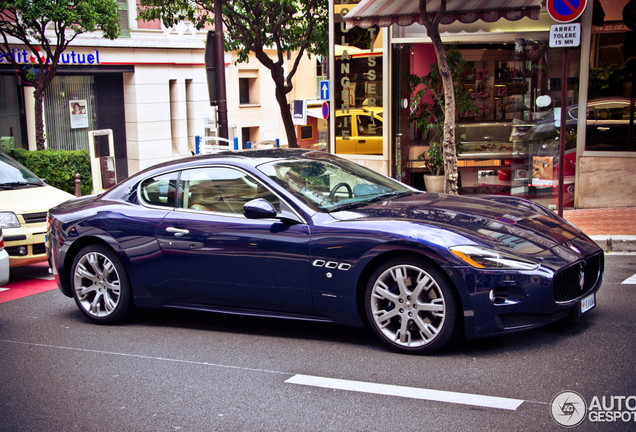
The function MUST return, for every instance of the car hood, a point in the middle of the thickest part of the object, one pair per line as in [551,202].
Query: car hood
[32,199]
[506,222]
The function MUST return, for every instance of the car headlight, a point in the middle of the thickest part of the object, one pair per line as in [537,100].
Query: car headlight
[489,259]
[9,220]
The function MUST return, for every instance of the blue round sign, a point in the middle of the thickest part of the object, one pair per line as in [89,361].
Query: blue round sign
[325,110]
[565,11]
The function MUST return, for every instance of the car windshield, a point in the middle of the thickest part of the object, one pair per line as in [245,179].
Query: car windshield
[13,175]
[331,184]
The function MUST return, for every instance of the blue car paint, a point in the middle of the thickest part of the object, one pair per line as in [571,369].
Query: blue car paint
[290,278]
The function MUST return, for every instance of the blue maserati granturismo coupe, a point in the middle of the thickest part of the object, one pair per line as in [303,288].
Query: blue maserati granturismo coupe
[305,235]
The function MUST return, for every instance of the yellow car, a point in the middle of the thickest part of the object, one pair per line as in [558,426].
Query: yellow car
[24,202]
[363,127]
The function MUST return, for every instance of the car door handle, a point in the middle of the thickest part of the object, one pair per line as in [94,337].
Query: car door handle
[178,232]
[603,129]
[362,141]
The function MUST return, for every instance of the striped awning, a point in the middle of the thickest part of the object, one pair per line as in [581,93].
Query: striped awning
[406,12]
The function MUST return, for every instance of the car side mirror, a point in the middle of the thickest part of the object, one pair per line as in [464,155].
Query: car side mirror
[260,208]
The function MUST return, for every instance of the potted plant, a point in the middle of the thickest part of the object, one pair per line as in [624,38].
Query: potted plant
[434,160]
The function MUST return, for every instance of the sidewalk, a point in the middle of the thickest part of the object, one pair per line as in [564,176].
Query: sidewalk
[614,229]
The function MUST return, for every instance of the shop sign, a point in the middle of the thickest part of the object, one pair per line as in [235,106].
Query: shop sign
[612,27]
[565,35]
[565,11]
[23,56]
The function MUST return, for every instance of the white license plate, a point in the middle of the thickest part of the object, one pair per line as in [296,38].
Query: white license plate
[588,303]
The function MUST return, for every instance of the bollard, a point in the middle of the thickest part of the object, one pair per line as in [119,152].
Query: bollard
[236,143]
[277,143]
[78,189]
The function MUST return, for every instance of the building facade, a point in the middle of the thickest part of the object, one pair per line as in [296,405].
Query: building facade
[149,87]
[519,81]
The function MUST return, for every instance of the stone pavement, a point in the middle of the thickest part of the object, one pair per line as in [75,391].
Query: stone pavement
[614,229]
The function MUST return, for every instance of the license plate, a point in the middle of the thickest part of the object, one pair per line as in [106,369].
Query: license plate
[588,303]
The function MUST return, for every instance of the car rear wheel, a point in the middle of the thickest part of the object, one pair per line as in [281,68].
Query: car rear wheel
[411,306]
[100,285]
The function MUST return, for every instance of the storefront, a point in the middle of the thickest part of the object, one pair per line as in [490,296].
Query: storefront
[155,101]
[510,138]
[86,94]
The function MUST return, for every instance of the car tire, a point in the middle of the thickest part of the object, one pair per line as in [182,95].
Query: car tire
[100,285]
[411,306]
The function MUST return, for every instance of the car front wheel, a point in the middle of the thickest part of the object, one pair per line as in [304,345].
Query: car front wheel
[100,285]
[411,306]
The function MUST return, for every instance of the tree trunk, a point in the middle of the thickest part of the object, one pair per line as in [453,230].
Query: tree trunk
[448,140]
[39,117]
[285,112]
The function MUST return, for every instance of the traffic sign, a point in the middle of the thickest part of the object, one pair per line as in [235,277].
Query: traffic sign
[565,35]
[565,11]
[324,90]
[325,110]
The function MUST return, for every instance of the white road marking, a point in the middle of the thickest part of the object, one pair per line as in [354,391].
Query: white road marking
[408,392]
[339,384]
[630,280]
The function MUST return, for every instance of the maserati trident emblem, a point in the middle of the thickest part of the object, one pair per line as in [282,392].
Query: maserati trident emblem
[581,277]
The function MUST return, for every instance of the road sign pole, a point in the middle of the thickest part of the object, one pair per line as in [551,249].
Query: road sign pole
[563,131]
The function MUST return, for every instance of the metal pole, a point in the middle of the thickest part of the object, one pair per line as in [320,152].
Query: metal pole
[220,56]
[563,132]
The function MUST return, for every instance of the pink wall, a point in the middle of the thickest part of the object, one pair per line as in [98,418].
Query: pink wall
[422,56]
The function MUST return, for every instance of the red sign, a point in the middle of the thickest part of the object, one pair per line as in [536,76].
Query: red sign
[565,11]
[325,110]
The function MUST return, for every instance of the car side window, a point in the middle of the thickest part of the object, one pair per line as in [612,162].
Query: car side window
[343,123]
[221,189]
[159,190]
[368,126]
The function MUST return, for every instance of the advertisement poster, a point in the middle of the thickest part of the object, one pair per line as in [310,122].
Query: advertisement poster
[79,113]
[543,171]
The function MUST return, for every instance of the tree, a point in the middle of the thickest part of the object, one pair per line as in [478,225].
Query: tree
[32,22]
[428,105]
[448,141]
[257,26]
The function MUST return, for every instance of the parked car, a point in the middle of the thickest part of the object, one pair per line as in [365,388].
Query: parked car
[306,235]
[607,126]
[24,201]
[363,127]
[4,262]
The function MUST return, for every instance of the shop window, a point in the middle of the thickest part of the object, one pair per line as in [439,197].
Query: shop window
[609,93]
[65,130]
[358,78]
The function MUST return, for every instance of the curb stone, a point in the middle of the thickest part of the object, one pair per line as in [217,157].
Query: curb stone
[616,243]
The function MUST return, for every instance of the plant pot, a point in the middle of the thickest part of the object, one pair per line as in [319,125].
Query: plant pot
[435,183]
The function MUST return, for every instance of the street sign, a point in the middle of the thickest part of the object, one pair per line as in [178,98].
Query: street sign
[325,110]
[324,90]
[565,35]
[565,11]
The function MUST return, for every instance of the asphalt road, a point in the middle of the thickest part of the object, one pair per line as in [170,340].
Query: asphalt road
[183,371]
